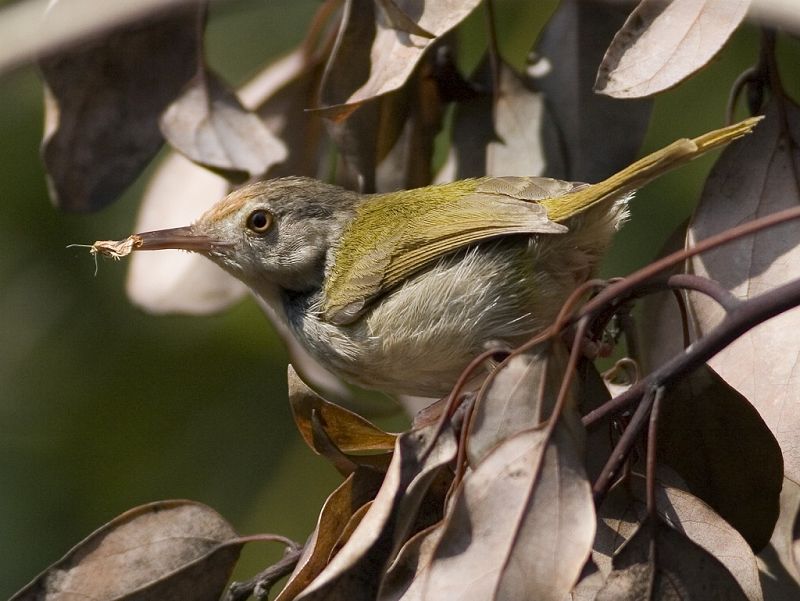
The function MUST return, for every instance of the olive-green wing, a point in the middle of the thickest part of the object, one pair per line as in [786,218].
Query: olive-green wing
[408,238]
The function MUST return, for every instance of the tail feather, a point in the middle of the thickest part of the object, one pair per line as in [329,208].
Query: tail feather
[645,170]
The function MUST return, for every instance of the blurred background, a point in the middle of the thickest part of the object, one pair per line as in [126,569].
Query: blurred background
[103,407]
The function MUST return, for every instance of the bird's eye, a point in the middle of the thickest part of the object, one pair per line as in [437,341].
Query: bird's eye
[259,221]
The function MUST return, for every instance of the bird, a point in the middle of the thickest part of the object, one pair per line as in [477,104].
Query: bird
[399,291]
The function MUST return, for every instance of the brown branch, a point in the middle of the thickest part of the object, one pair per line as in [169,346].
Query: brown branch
[260,584]
[743,318]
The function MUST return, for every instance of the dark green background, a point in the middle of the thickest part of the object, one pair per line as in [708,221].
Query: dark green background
[103,407]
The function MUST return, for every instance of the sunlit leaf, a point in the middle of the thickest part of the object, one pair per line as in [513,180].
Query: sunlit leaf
[660,563]
[350,432]
[167,549]
[662,43]
[210,126]
[103,101]
[570,48]
[357,490]
[757,176]
[355,572]
[521,525]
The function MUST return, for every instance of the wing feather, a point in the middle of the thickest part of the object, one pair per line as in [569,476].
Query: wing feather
[411,240]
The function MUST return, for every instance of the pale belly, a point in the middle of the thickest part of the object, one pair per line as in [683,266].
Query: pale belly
[419,338]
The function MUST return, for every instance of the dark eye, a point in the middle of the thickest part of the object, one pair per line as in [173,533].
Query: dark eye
[259,221]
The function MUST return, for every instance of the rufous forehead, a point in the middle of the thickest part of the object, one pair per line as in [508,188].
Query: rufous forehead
[231,204]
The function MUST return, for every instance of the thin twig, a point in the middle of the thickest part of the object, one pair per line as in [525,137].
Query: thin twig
[623,447]
[711,288]
[652,449]
[260,584]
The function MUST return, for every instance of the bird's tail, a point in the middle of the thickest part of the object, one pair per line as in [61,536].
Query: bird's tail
[645,170]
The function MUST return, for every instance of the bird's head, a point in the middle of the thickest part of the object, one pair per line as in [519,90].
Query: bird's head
[277,232]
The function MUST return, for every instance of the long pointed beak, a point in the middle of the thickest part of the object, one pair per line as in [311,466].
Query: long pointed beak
[181,238]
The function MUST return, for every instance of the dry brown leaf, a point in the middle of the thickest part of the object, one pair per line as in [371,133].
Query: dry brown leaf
[355,572]
[754,177]
[377,58]
[506,141]
[690,516]
[796,540]
[596,135]
[350,432]
[519,397]
[621,513]
[777,562]
[521,525]
[673,568]
[163,550]
[210,126]
[103,102]
[281,95]
[591,581]
[356,491]
[664,42]
[718,443]
[345,463]
[395,131]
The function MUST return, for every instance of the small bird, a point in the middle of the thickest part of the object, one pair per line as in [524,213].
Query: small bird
[399,291]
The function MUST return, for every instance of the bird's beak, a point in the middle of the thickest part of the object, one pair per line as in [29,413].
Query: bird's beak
[180,238]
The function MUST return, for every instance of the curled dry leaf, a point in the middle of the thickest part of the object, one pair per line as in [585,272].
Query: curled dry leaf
[103,101]
[356,491]
[378,58]
[396,130]
[355,572]
[662,43]
[350,432]
[660,563]
[210,126]
[345,463]
[405,577]
[596,135]
[757,176]
[508,140]
[163,550]
[521,525]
